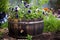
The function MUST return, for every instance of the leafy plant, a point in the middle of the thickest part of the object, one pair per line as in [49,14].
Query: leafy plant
[4,5]
[5,25]
[24,9]
[58,24]
[27,12]
[51,24]
[44,2]
[27,1]
[29,37]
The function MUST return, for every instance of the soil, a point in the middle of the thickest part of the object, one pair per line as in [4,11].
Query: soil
[43,36]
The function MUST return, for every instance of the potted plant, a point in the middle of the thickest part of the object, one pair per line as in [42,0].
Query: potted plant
[26,19]
[3,10]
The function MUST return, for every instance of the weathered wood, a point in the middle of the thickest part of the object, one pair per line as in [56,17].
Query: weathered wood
[18,28]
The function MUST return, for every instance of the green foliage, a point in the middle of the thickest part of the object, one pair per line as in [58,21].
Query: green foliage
[23,13]
[32,16]
[28,1]
[5,25]
[43,2]
[29,37]
[4,5]
[58,24]
[51,24]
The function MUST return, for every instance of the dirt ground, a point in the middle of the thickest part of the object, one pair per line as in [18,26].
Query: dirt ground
[43,36]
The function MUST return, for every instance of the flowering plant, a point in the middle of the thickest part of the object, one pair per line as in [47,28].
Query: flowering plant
[4,6]
[26,11]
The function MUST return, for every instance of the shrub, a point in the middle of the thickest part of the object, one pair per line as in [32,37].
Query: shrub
[51,23]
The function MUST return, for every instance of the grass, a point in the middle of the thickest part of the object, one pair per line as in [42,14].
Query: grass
[51,24]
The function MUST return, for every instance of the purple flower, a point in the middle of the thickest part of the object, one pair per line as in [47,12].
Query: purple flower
[3,17]
[29,11]
[27,6]
[16,9]
[25,3]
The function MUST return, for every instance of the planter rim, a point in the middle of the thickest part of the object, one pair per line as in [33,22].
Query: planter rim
[34,22]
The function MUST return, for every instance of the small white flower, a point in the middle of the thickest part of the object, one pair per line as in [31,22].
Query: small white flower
[18,8]
[22,1]
[37,9]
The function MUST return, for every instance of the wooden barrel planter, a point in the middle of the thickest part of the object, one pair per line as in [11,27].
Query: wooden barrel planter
[19,28]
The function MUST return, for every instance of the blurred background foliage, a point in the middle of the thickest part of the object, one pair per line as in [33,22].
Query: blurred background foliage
[51,23]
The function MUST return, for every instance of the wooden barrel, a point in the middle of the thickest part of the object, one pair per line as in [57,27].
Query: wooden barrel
[19,28]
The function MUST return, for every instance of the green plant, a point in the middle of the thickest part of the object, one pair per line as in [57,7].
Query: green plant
[23,12]
[5,25]
[26,12]
[4,5]
[28,1]
[58,24]
[51,24]
[29,37]
[44,2]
